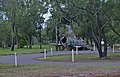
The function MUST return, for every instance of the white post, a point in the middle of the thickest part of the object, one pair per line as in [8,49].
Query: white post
[16,59]
[51,50]
[44,53]
[73,56]
[94,47]
[113,48]
[76,50]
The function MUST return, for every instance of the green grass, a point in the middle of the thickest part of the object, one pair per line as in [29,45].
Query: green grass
[114,55]
[68,58]
[35,49]
[83,57]
[5,66]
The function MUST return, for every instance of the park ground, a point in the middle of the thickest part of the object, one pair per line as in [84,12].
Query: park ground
[58,71]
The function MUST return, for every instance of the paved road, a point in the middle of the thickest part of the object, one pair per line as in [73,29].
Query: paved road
[31,59]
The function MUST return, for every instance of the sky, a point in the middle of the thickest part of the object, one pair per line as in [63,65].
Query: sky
[47,15]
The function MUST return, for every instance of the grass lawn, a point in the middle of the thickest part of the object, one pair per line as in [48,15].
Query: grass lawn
[35,49]
[83,57]
[58,71]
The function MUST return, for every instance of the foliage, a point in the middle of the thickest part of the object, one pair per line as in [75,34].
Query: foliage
[23,17]
[94,18]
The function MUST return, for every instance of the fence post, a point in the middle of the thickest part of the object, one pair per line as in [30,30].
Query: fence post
[16,63]
[113,48]
[94,47]
[51,51]
[73,56]
[44,53]
[76,50]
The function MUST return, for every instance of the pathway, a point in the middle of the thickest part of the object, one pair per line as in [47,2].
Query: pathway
[31,59]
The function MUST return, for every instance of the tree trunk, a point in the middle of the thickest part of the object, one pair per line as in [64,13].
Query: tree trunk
[12,46]
[17,38]
[91,42]
[40,39]
[56,28]
[99,47]
[102,49]
[30,41]
[13,31]
[87,40]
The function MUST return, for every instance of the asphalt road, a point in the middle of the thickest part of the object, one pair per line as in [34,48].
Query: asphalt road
[32,59]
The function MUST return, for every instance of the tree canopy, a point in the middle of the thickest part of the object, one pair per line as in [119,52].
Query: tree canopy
[93,20]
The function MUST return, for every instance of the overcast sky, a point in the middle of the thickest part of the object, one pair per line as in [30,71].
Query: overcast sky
[46,16]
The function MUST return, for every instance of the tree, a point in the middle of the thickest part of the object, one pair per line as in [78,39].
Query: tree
[24,17]
[11,15]
[5,33]
[91,15]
